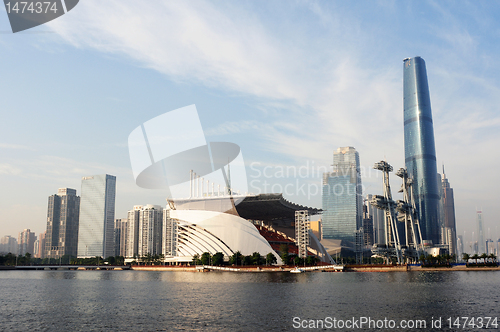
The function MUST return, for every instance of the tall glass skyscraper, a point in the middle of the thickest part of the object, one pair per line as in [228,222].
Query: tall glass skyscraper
[420,150]
[97,216]
[342,200]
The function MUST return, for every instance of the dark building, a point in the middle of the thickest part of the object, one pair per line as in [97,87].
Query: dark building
[62,224]
[449,224]
[378,219]
[367,227]
[120,234]
[420,151]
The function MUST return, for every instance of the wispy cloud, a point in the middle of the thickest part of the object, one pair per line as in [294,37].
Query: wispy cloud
[187,41]
[53,168]
[8,169]
[233,127]
[14,146]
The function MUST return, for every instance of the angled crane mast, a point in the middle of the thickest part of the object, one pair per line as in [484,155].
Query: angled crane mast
[385,202]
[407,214]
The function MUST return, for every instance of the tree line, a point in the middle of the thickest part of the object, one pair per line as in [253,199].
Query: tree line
[480,260]
[292,259]
[238,259]
[206,258]
[148,259]
[26,259]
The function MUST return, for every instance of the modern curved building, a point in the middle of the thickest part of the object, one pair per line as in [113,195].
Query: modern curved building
[259,223]
[420,150]
[200,231]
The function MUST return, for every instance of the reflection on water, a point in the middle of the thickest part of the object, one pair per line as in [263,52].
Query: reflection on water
[218,301]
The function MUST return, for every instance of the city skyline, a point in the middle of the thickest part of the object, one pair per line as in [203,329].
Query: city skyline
[288,93]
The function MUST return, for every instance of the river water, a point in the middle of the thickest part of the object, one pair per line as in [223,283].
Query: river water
[222,301]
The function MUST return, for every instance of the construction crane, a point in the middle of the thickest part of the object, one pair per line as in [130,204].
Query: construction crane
[386,203]
[407,214]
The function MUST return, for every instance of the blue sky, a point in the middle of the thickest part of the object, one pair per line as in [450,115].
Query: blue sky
[289,81]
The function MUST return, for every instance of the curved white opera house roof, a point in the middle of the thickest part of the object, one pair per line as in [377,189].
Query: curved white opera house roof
[200,231]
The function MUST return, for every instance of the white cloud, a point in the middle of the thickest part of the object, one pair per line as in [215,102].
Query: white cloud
[183,40]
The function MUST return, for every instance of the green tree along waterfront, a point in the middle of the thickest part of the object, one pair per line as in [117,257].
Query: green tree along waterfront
[446,260]
[218,259]
[284,253]
[205,258]
[13,260]
[256,259]
[237,259]
[480,260]
[270,259]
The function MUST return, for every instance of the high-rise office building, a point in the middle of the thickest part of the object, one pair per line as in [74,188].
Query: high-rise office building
[97,216]
[317,228]
[62,224]
[8,244]
[490,247]
[120,235]
[442,231]
[460,246]
[342,200]
[378,218]
[131,247]
[367,226]
[144,229]
[449,224]
[150,230]
[481,244]
[420,151]
[475,248]
[170,234]
[40,246]
[26,242]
